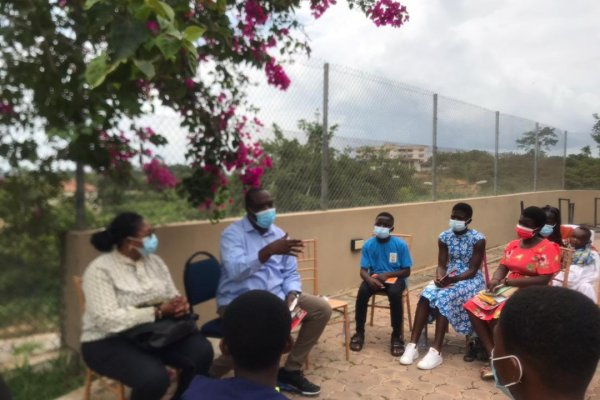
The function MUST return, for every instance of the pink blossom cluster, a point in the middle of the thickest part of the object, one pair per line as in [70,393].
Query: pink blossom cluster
[153,27]
[190,84]
[255,15]
[388,12]
[62,3]
[118,149]
[158,175]
[145,133]
[276,75]
[5,108]
[318,7]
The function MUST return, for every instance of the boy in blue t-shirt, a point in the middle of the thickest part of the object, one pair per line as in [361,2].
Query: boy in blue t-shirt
[385,264]
[256,332]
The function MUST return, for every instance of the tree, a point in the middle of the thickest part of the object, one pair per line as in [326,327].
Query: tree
[547,138]
[77,69]
[596,130]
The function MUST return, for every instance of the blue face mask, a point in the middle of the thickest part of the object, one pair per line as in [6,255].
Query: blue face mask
[456,225]
[381,232]
[547,230]
[265,218]
[504,388]
[149,245]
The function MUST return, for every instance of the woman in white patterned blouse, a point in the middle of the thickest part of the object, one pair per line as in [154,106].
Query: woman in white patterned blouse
[127,286]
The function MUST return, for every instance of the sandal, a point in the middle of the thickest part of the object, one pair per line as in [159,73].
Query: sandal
[357,341]
[486,373]
[396,346]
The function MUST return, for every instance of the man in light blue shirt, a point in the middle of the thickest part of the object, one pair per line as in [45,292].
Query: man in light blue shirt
[257,255]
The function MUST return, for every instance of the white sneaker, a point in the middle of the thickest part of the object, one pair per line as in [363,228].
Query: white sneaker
[410,354]
[432,359]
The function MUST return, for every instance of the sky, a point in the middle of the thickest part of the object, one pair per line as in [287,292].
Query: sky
[537,58]
[534,61]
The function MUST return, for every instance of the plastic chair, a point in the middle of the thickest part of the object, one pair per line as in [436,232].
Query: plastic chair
[114,386]
[405,297]
[201,279]
[308,270]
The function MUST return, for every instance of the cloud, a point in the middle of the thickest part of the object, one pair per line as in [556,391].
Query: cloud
[535,59]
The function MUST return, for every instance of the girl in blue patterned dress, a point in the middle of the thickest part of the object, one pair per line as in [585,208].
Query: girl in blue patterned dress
[459,278]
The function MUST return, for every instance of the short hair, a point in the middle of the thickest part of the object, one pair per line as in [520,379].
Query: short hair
[464,207]
[557,331]
[256,328]
[121,227]
[536,214]
[588,232]
[250,193]
[386,215]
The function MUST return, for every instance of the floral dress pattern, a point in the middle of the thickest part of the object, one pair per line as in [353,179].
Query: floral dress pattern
[449,300]
[541,259]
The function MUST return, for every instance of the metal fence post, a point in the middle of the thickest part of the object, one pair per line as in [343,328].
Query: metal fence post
[535,156]
[79,196]
[497,135]
[564,171]
[325,141]
[434,150]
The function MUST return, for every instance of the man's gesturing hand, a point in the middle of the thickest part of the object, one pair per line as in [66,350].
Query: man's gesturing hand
[283,246]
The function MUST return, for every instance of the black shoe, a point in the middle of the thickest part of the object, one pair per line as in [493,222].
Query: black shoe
[295,381]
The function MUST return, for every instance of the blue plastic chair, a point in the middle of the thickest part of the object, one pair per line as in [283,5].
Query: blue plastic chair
[201,279]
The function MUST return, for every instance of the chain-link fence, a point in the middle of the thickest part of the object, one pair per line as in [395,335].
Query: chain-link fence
[392,143]
[386,143]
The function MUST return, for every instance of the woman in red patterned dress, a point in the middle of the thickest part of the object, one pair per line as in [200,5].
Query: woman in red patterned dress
[528,261]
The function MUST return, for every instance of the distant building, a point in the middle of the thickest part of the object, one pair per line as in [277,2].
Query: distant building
[415,155]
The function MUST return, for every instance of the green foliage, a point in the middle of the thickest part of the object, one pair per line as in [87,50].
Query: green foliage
[596,130]
[30,241]
[547,138]
[583,171]
[358,177]
[60,376]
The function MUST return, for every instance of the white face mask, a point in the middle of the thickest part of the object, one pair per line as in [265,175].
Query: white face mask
[505,387]
[381,232]
[456,225]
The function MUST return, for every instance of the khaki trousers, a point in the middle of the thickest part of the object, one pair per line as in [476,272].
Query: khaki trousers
[318,314]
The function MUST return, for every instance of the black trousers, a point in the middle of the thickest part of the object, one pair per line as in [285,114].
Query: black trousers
[144,371]
[394,293]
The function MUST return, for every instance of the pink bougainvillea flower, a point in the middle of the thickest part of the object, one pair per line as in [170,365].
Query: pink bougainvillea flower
[6,108]
[190,84]
[276,76]
[318,7]
[159,176]
[153,27]
[388,12]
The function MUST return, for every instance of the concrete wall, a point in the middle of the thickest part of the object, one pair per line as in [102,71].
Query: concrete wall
[338,266]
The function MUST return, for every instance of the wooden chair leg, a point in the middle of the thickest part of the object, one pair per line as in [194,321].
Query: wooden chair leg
[87,387]
[408,310]
[121,391]
[346,333]
[372,308]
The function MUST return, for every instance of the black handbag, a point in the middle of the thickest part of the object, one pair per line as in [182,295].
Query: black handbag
[161,333]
